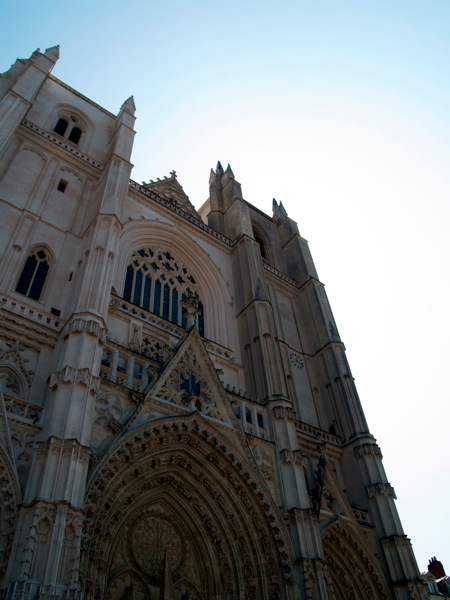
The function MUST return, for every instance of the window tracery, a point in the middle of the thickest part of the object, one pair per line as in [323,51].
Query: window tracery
[159,283]
[34,273]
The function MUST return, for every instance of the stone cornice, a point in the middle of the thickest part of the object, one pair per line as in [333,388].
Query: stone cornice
[317,433]
[27,328]
[281,275]
[30,312]
[62,143]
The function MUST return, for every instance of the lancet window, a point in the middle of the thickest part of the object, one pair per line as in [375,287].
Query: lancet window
[159,283]
[70,127]
[34,273]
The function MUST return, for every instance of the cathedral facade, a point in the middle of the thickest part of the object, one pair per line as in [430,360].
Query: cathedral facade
[178,417]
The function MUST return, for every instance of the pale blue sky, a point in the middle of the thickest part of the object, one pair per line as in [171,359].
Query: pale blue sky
[341,110]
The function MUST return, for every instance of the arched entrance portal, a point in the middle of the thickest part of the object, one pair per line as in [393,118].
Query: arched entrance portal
[351,571]
[174,512]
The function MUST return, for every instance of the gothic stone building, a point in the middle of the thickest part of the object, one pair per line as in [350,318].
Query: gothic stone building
[178,417]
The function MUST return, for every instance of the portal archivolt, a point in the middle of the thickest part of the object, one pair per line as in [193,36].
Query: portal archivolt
[174,511]
[352,573]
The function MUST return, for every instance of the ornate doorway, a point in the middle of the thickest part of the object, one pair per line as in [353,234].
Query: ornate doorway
[176,514]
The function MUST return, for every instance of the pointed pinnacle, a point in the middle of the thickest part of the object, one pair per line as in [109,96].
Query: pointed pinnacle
[219,169]
[52,53]
[229,172]
[279,211]
[129,105]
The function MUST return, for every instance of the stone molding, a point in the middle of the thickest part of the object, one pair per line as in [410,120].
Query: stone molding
[367,449]
[62,143]
[85,325]
[9,500]
[284,412]
[347,554]
[380,489]
[57,446]
[281,275]
[164,446]
[72,375]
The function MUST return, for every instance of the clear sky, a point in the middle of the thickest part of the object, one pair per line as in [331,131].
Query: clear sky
[340,109]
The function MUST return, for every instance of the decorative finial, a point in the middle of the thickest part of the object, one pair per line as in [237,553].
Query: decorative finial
[173,173]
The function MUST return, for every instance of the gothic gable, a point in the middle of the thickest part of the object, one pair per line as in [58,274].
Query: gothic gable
[188,383]
[170,190]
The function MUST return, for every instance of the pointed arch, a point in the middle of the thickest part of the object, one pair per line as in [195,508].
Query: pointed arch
[213,290]
[159,282]
[34,276]
[180,476]
[72,124]
[10,498]
[352,572]
[260,237]
[12,381]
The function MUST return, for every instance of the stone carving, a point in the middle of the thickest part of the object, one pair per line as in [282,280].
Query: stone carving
[85,325]
[120,559]
[417,591]
[170,190]
[72,375]
[12,354]
[20,408]
[186,385]
[177,455]
[110,413]
[265,462]
[156,545]
[380,489]
[155,350]
[284,412]
[10,383]
[367,449]
[350,564]
[187,590]
[8,512]
[127,586]
[22,444]
[293,456]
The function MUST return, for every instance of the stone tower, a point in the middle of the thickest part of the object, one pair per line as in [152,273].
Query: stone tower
[178,417]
